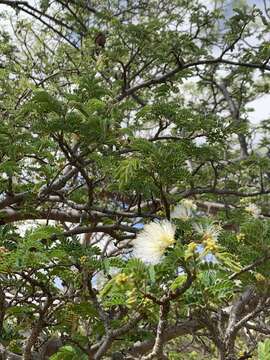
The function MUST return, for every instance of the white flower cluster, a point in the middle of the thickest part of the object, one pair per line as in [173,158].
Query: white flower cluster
[207,231]
[153,240]
[253,210]
[184,210]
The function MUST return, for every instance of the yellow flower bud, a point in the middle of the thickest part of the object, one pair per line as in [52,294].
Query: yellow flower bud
[192,246]
[83,259]
[259,277]
[121,279]
[240,237]
[211,245]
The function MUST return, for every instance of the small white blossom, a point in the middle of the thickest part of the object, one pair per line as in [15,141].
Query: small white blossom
[184,210]
[153,240]
[253,210]
[208,231]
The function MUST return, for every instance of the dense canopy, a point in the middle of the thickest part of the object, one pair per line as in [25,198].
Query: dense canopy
[134,190]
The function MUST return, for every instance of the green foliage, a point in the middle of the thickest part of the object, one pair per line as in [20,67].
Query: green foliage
[68,353]
[264,350]
[128,171]
[112,114]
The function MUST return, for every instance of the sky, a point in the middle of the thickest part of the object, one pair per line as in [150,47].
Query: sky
[260,105]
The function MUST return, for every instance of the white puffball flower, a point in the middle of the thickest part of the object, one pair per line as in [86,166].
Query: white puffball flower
[208,231]
[184,210]
[253,210]
[153,240]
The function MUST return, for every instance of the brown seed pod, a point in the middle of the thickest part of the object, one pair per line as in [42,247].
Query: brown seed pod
[100,40]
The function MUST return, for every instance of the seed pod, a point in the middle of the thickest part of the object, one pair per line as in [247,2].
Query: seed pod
[100,40]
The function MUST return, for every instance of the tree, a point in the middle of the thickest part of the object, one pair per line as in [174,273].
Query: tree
[118,116]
